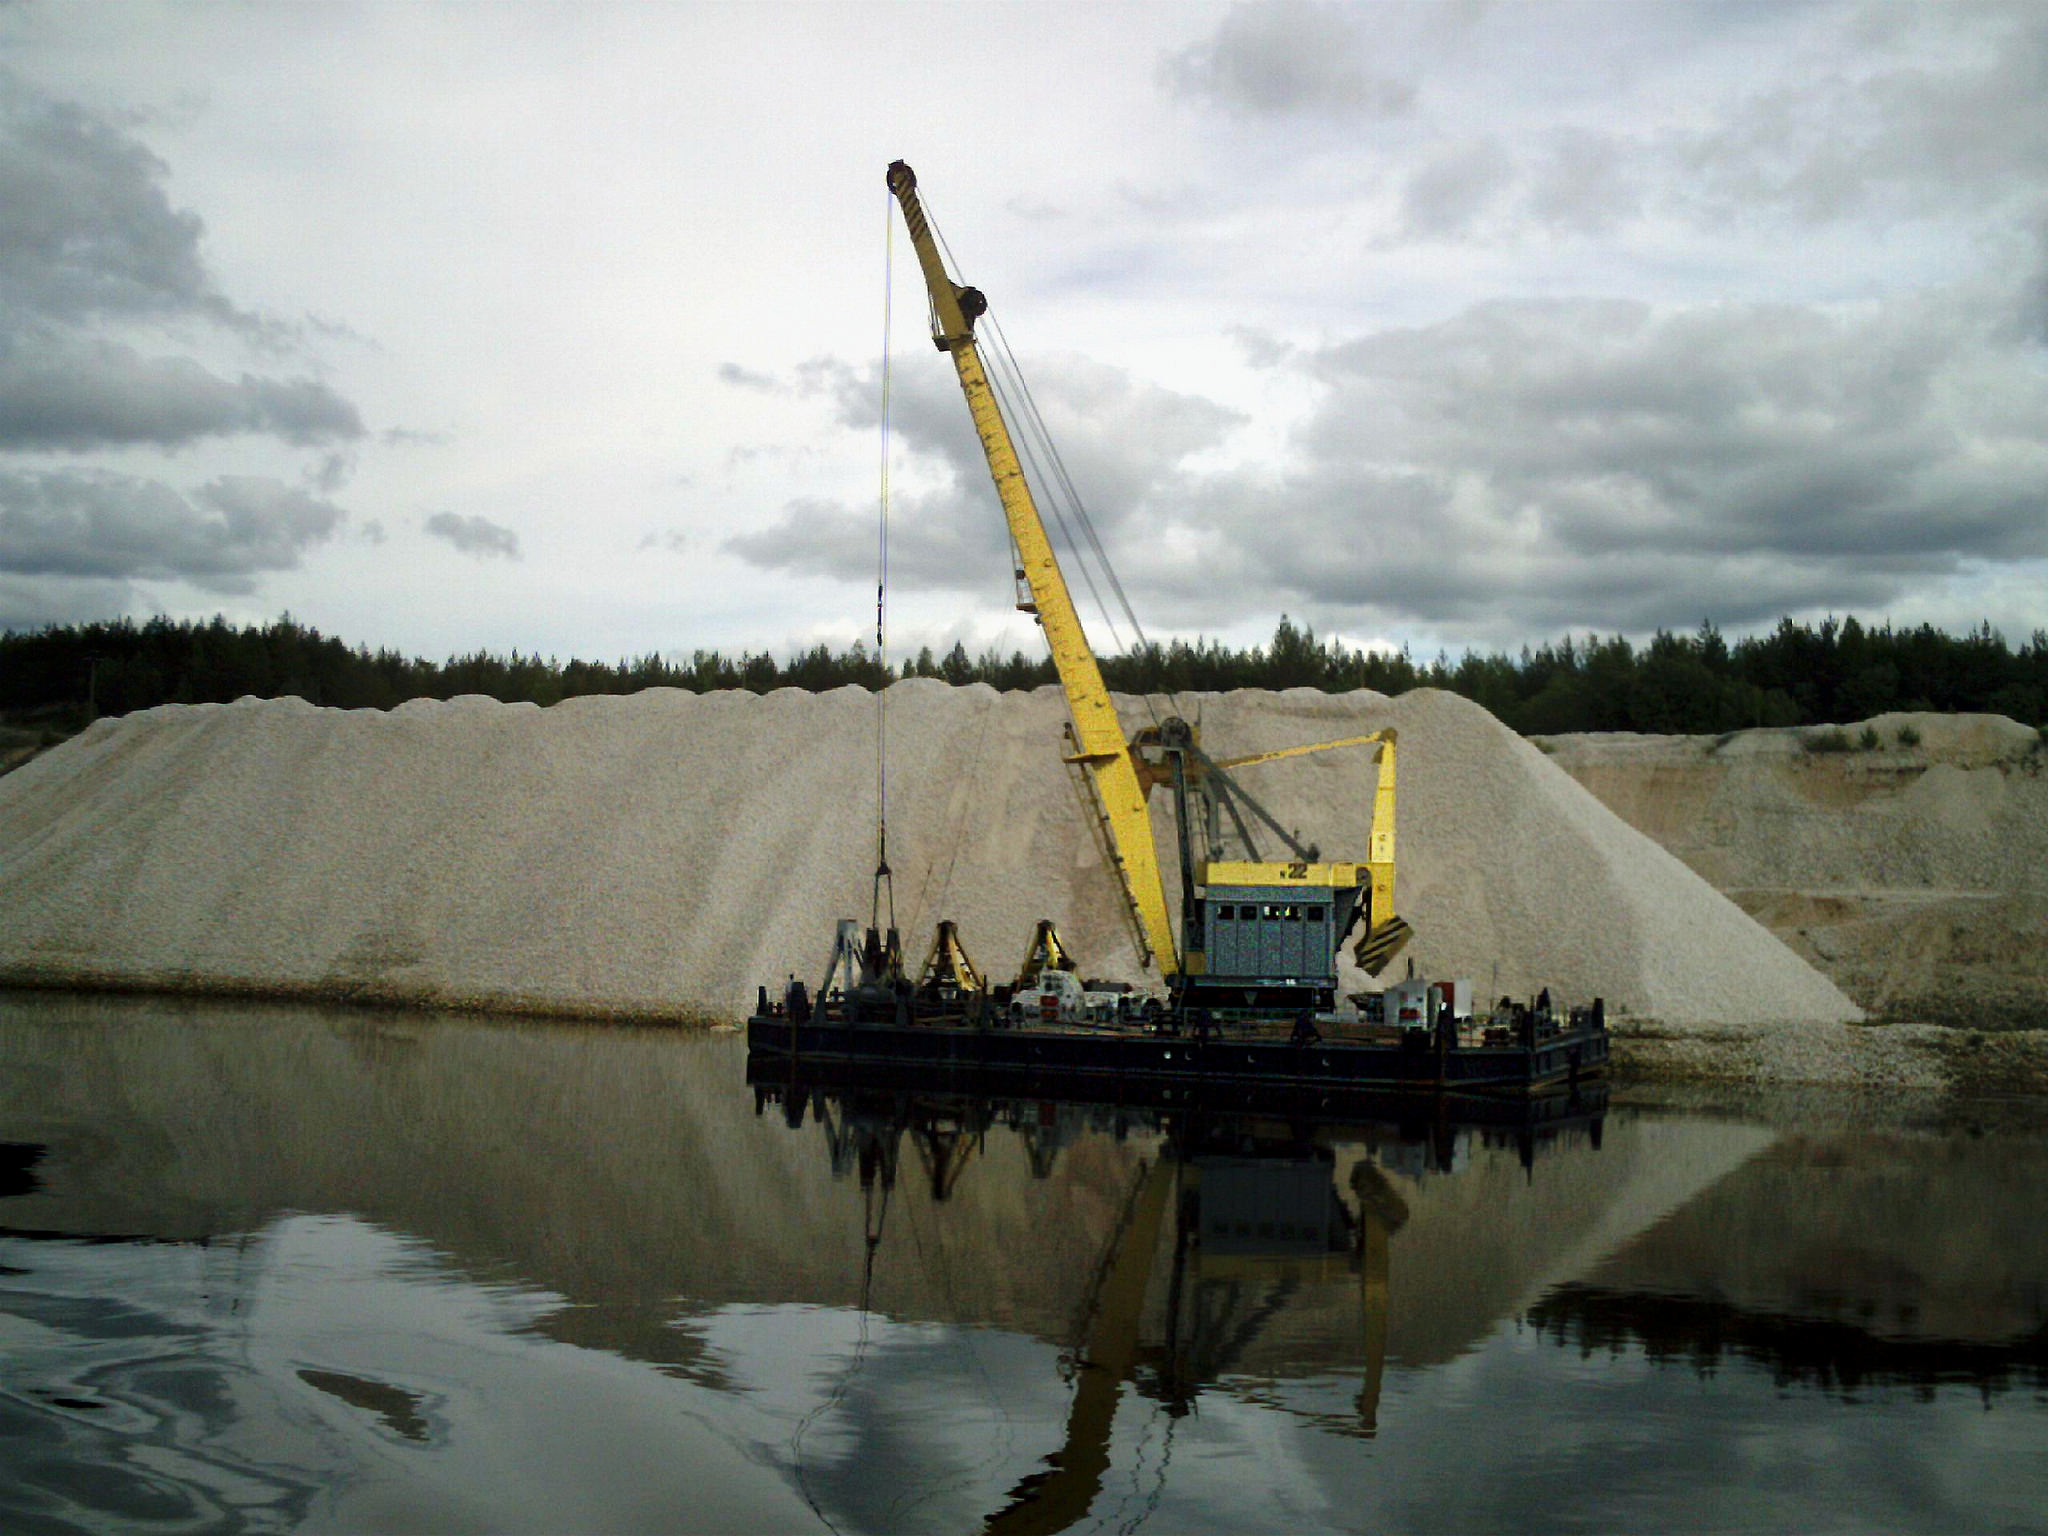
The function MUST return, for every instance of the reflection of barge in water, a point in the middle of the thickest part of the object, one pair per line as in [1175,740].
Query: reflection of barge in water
[1242,1211]
[1433,1124]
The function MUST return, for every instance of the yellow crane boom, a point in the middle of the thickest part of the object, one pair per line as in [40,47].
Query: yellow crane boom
[1098,734]
[1257,934]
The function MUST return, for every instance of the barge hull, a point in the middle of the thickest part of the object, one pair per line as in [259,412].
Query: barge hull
[791,1081]
[1108,1057]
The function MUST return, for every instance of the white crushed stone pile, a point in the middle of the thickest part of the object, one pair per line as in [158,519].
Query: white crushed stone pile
[668,851]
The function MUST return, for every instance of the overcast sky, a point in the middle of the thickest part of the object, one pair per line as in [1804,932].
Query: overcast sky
[559,328]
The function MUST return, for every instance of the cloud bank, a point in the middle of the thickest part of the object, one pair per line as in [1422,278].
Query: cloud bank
[1443,324]
[97,525]
[1870,434]
[93,258]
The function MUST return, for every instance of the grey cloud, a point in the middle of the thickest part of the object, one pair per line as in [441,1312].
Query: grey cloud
[748,378]
[88,229]
[64,392]
[947,540]
[1449,195]
[90,243]
[1572,179]
[332,472]
[1370,552]
[477,536]
[1946,113]
[1963,119]
[35,602]
[1283,58]
[2029,321]
[85,523]
[1261,349]
[1122,441]
[1585,181]
[1604,464]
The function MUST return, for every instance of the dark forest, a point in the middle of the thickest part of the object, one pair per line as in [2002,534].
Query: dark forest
[1796,674]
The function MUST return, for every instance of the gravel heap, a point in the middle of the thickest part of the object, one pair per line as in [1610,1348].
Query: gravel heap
[664,853]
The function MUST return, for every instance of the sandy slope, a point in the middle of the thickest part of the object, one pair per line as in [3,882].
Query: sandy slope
[667,852]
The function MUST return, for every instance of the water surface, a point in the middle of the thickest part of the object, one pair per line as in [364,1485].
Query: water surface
[292,1269]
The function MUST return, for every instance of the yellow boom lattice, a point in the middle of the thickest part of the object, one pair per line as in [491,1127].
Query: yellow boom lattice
[1098,734]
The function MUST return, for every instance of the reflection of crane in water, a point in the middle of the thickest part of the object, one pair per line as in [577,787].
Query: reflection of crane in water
[865,1137]
[870,1144]
[1263,1208]
[946,1145]
[1046,1127]
[1252,1218]
[1054,1499]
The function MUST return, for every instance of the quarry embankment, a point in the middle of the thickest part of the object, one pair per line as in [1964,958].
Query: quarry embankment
[1905,856]
[660,855]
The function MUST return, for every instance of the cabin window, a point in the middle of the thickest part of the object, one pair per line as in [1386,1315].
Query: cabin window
[1226,914]
[1315,914]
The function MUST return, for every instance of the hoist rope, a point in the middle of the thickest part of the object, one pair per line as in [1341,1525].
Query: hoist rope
[1060,496]
[882,875]
[1040,455]
[1065,482]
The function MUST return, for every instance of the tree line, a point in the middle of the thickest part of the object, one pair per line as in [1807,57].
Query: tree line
[1796,674]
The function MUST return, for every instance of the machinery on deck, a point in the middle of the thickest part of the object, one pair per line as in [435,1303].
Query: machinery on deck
[1257,936]
[949,978]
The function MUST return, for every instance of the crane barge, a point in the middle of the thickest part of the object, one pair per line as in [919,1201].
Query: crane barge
[1250,977]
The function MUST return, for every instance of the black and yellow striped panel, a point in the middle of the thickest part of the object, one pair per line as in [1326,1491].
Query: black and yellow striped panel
[1381,944]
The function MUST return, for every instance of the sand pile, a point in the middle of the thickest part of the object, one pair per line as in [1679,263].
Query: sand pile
[667,852]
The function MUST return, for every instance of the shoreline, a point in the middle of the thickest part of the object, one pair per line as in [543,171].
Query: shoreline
[368,996]
[1878,1056]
